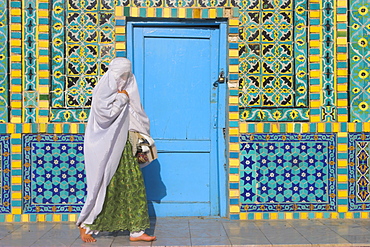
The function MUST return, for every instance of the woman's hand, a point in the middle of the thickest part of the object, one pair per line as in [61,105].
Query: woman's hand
[123,91]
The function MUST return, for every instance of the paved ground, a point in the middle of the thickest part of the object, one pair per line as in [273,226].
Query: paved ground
[200,232]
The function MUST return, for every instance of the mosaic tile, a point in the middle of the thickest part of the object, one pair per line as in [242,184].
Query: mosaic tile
[287,172]
[274,114]
[29,47]
[328,109]
[5,173]
[269,76]
[30,63]
[53,173]
[89,47]
[4,62]
[359,33]
[358,171]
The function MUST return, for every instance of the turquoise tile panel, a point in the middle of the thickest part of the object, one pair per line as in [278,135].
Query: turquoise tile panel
[358,171]
[287,172]
[54,173]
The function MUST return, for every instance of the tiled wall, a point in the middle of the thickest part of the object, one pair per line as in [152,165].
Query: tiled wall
[298,82]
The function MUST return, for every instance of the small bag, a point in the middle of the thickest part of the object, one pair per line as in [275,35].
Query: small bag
[146,151]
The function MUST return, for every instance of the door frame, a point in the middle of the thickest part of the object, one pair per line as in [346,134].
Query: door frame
[220,179]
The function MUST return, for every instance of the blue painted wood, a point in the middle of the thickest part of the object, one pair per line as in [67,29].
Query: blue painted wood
[175,68]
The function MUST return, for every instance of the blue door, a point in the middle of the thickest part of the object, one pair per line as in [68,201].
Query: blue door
[176,67]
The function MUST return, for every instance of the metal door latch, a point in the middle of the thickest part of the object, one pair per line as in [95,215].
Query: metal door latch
[221,79]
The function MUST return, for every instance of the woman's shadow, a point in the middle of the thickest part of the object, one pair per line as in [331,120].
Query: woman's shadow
[155,190]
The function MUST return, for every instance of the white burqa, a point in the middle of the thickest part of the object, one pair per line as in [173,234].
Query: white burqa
[111,117]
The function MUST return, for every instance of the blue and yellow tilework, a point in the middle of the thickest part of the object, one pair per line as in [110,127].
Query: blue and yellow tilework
[298,102]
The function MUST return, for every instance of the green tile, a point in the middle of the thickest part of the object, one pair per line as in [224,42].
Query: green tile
[342,33]
[205,13]
[142,12]
[189,13]
[220,12]
[174,13]
[158,12]
[126,11]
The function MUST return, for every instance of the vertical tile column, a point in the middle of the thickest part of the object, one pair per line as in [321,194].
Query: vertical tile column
[4,60]
[342,194]
[16,152]
[233,118]
[16,61]
[120,31]
[29,60]
[43,61]
[328,109]
[342,60]
[315,51]
[57,53]
[359,60]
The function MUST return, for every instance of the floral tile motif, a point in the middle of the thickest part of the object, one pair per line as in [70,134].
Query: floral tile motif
[5,174]
[81,53]
[53,173]
[359,52]
[4,61]
[358,171]
[287,172]
[273,68]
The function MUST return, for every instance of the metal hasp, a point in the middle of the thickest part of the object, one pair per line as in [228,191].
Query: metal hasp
[221,79]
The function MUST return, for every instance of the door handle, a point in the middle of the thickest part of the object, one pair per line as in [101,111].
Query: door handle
[221,79]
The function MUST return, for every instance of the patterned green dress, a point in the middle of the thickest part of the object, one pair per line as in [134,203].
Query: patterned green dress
[125,206]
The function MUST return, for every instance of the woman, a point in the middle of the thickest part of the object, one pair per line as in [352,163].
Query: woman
[116,198]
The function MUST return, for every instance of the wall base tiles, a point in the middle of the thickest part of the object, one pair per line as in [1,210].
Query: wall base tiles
[358,171]
[287,172]
[53,173]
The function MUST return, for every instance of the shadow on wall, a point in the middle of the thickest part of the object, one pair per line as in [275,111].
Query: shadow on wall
[155,188]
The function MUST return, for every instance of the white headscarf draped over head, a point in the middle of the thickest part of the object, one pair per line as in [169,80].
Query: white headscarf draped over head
[112,115]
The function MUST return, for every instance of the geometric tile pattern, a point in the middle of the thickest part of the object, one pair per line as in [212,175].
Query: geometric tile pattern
[30,61]
[88,41]
[328,109]
[359,171]
[174,3]
[15,63]
[273,66]
[5,174]
[341,64]
[287,172]
[359,29]
[4,62]
[40,111]
[54,173]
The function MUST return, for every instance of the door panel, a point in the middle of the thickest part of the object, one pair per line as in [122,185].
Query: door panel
[183,118]
[175,68]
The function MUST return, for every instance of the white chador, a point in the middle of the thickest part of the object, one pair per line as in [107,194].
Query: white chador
[112,116]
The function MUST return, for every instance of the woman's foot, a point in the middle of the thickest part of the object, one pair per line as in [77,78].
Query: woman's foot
[145,237]
[86,237]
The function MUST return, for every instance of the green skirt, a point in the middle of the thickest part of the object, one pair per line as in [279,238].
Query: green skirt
[125,206]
